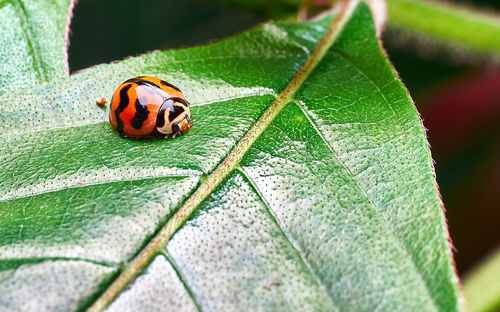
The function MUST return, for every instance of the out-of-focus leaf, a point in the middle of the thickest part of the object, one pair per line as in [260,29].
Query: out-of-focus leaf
[482,286]
[450,27]
[33,37]
[307,173]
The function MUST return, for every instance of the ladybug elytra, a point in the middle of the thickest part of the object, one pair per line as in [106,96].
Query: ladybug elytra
[145,106]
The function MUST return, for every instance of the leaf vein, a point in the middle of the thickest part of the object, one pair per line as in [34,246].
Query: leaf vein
[36,260]
[31,42]
[289,239]
[401,243]
[182,279]
[35,189]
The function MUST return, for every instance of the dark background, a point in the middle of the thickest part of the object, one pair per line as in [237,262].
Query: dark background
[459,100]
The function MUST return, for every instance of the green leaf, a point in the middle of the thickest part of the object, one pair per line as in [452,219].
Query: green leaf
[446,25]
[33,36]
[305,184]
[482,286]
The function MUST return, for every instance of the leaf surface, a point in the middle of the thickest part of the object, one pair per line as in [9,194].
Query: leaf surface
[33,36]
[330,206]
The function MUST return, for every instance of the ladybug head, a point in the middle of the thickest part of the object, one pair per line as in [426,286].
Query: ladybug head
[173,117]
[184,125]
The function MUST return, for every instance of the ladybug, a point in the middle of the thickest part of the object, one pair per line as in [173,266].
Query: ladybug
[146,106]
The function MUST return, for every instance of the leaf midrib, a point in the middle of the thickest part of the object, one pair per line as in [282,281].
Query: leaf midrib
[146,255]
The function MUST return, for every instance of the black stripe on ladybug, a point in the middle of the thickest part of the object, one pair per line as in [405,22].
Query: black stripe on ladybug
[170,85]
[142,82]
[141,113]
[179,107]
[124,100]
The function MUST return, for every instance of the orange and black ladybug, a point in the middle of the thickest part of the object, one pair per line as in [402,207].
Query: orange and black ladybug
[146,106]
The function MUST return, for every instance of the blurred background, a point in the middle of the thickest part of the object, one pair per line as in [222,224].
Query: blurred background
[458,98]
